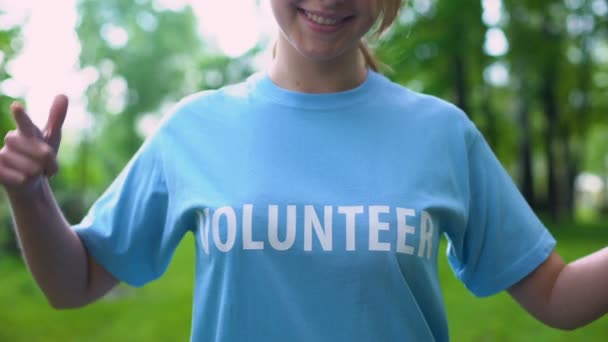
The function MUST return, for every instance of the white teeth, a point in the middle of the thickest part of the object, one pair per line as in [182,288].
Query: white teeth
[321,20]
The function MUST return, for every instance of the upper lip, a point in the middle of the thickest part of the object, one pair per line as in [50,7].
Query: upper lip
[333,16]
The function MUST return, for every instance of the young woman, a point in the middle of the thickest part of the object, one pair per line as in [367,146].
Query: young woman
[317,192]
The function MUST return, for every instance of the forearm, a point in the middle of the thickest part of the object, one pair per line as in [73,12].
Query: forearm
[53,252]
[580,293]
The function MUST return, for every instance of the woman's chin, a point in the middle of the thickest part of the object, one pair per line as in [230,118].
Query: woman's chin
[322,55]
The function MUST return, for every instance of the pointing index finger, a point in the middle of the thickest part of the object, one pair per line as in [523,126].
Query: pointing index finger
[23,121]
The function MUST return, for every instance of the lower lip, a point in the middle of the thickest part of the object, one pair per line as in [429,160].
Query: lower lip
[322,28]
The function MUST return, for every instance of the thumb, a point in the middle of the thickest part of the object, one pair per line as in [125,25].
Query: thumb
[52,130]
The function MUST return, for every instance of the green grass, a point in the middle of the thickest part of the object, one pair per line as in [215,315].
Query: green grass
[161,311]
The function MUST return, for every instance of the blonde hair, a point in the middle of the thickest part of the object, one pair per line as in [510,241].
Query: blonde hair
[388,10]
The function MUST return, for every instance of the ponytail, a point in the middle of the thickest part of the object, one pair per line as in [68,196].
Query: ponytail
[389,10]
[370,60]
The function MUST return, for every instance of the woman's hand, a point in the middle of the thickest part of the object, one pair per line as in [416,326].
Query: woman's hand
[66,273]
[29,154]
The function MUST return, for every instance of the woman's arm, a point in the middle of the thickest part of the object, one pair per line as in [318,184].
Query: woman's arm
[53,252]
[63,269]
[566,296]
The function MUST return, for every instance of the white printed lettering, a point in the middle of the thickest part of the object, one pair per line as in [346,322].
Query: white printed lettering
[248,243]
[403,229]
[350,213]
[383,223]
[323,232]
[375,226]
[230,216]
[273,233]
[203,223]
[426,235]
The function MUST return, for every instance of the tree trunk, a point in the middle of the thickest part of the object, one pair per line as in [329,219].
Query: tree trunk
[572,162]
[526,173]
[576,128]
[550,109]
[486,108]
[460,82]
[459,65]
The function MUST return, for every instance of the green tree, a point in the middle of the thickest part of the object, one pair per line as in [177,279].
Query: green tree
[144,58]
[555,83]
[437,47]
[551,101]
[9,46]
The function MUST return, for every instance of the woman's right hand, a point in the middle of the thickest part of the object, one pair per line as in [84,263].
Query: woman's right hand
[29,154]
[66,273]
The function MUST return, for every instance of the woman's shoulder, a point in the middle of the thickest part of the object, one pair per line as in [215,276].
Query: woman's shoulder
[206,101]
[209,97]
[420,104]
[408,96]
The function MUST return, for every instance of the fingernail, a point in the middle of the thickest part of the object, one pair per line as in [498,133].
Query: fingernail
[16,106]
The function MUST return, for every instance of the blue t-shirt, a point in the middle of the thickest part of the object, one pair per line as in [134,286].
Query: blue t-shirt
[317,217]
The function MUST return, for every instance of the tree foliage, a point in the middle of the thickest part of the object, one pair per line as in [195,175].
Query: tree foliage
[144,58]
[9,46]
[539,121]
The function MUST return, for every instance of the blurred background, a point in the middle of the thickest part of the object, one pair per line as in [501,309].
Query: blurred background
[532,74]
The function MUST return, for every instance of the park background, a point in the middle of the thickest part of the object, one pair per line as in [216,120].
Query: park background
[532,74]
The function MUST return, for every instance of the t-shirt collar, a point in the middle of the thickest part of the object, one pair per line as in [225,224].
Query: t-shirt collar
[264,86]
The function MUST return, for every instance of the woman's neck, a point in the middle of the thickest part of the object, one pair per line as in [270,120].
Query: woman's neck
[293,71]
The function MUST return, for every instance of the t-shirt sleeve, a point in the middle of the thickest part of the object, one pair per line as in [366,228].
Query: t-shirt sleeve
[128,229]
[503,240]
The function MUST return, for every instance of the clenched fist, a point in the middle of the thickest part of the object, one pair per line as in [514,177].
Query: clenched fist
[29,154]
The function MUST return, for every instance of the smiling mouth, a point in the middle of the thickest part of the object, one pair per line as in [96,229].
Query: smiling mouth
[324,19]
